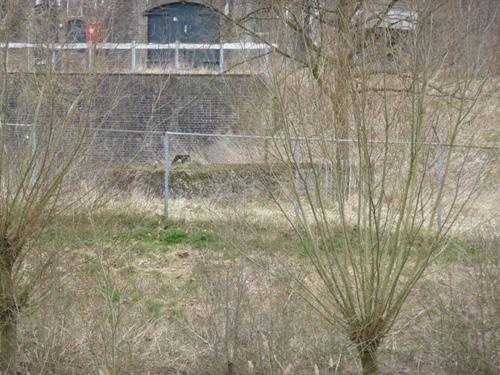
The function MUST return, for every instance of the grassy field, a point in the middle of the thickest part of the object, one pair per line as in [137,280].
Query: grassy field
[213,291]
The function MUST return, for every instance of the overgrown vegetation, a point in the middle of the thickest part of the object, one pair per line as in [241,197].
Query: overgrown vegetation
[350,250]
[219,290]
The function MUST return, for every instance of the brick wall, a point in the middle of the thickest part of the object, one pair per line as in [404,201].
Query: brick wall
[152,104]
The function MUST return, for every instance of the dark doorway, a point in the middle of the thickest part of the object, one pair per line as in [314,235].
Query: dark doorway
[186,23]
[75,31]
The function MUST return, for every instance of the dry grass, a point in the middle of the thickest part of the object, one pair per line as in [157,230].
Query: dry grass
[210,292]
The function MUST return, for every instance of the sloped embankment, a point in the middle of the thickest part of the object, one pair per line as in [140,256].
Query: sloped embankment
[202,180]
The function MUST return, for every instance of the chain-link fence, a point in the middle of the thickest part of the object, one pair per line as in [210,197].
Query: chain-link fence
[318,168]
[177,164]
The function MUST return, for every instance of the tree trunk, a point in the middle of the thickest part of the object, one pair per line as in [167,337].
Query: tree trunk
[8,342]
[8,317]
[369,362]
[341,94]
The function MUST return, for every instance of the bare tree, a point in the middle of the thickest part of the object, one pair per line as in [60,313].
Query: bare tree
[374,73]
[44,123]
[320,36]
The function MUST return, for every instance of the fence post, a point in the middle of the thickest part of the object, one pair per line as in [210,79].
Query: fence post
[439,183]
[177,62]
[298,185]
[221,58]
[33,155]
[133,56]
[166,171]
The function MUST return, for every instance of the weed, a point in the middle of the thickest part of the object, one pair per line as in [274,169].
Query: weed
[115,296]
[200,239]
[136,296]
[174,236]
[155,308]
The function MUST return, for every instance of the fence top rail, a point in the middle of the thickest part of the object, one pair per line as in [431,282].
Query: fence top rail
[141,46]
[333,140]
[265,137]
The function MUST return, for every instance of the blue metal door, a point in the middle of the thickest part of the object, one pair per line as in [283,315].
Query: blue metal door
[186,23]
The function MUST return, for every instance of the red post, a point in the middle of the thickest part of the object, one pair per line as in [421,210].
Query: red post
[93,32]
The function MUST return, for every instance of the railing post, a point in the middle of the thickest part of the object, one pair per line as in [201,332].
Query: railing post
[266,59]
[298,185]
[53,56]
[28,57]
[90,55]
[7,57]
[133,57]
[166,171]
[221,58]
[177,62]
[439,183]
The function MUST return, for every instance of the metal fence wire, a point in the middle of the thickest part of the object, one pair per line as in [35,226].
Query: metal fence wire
[222,165]
[311,165]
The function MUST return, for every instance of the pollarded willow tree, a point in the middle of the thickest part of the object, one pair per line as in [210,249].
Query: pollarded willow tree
[44,135]
[371,100]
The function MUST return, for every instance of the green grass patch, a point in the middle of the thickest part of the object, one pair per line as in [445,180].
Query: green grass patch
[136,296]
[458,251]
[115,296]
[155,308]
[155,238]
[175,236]
[200,239]
[139,232]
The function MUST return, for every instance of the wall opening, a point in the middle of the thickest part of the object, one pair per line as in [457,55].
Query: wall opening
[75,31]
[184,22]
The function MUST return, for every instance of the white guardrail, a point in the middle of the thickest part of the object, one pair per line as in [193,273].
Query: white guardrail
[134,47]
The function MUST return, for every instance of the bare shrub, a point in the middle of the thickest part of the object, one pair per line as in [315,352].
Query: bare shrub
[463,315]
[373,111]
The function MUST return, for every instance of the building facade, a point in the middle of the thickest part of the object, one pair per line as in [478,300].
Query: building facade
[139,23]
[176,89]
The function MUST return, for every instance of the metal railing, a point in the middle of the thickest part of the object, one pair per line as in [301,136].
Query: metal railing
[134,47]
